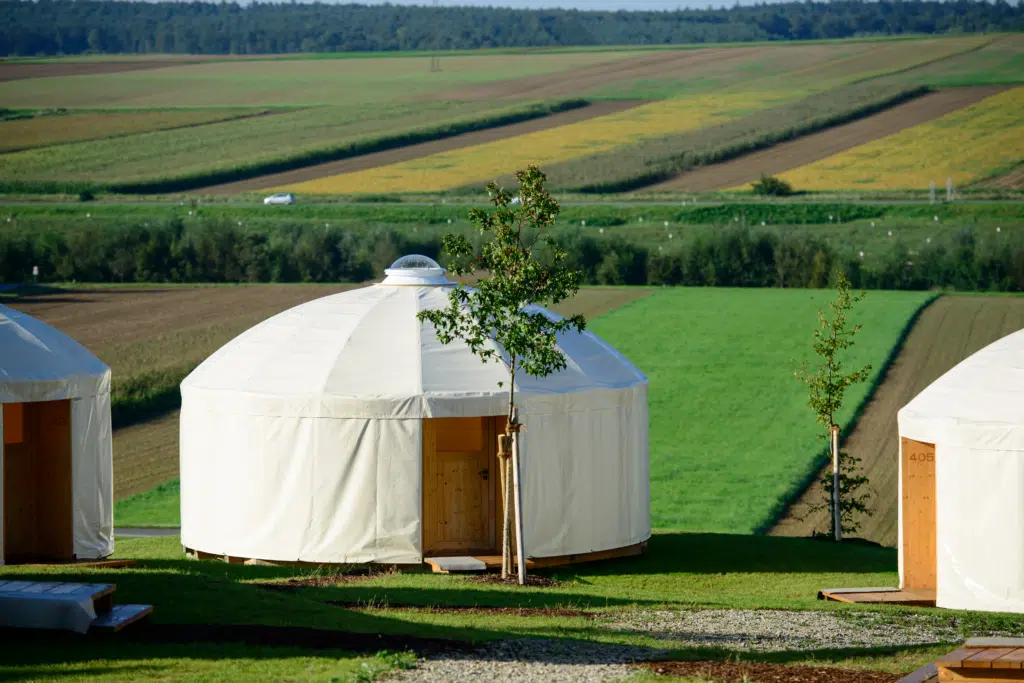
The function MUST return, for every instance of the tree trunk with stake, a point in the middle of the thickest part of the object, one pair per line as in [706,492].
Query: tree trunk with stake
[506,496]
[518,498]
[837,516]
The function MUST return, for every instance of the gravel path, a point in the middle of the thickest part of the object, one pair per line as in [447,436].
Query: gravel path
[550,661]
[774,630]
[531,660]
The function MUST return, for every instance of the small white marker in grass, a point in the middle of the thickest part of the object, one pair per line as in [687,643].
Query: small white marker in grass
[890,233]
[997,229]
[583,223]
[862,254]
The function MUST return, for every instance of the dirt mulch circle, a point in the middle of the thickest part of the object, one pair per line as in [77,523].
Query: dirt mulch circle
[532,580]
[730,672]
[465,609]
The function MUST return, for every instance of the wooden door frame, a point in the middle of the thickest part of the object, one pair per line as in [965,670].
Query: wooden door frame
[919,537]
[493,506]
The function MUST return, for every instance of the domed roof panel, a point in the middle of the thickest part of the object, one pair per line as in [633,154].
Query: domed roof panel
[40,363]
[364,352]
[984,391]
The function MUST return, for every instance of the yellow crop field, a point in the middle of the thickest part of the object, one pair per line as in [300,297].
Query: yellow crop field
[965,146]
[485,162]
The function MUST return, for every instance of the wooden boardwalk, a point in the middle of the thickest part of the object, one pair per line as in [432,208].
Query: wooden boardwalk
[980,660]
[917,597]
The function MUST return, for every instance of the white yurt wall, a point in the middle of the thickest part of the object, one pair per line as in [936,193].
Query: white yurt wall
[974,417]
[40,364]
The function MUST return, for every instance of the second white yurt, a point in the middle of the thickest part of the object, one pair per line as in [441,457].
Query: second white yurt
[962,483]
[56,465]
[343,431]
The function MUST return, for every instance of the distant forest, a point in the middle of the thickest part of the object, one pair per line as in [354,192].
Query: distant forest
[66,27]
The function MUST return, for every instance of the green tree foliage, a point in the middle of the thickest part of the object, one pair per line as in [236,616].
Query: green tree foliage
[827,384]
[516,276]
[66,27]
[771,186]
[218,250]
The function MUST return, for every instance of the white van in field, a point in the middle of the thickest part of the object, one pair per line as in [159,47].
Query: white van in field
[280,198]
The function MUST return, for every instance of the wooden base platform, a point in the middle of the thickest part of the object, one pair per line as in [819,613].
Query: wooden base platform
[490,562]
[886,596]
[980,660]
[442,565]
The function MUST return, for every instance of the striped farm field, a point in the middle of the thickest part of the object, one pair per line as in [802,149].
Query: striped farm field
[226,144]
[966,145]
[449,170]
[45,130]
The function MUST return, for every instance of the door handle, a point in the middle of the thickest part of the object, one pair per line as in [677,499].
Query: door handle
[485,474]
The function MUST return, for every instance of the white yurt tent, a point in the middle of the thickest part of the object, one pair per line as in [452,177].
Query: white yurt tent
[962,483]
[343,431]
[57,478]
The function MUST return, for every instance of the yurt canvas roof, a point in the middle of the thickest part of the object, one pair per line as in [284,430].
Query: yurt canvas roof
[40,363]
[979,403]
[363,353]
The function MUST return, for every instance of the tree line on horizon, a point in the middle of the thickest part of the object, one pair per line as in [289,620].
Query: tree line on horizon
[964,259]
[72,27]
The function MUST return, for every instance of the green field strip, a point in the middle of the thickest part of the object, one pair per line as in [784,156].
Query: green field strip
[731,435]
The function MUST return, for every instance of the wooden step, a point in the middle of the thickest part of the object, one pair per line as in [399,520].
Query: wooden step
[926,674]
[121,616]
[468,564]
[919,597]
[981,662]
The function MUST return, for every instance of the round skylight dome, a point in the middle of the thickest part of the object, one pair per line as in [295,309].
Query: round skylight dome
[415,269]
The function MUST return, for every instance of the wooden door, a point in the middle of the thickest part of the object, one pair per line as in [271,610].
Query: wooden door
[37,501]
[459,475]
[918,500]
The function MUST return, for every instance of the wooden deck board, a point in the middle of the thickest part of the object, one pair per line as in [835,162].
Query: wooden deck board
[926,674]
[893,596]
[977,663]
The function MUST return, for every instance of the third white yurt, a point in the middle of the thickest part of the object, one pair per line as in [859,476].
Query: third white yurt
[56,473]
[962,483]
[343,431]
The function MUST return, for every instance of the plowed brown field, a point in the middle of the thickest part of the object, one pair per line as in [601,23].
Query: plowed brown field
[132,329]
[16,71]
[817,146]
[948,331]
[1014,180]
[394,156]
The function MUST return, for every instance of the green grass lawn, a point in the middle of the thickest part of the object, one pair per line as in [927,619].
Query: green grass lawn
[160,506]
[680,571]
[731,435]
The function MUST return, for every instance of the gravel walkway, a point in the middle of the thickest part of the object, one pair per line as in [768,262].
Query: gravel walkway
[531,660]
[775,630]
[550,661]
